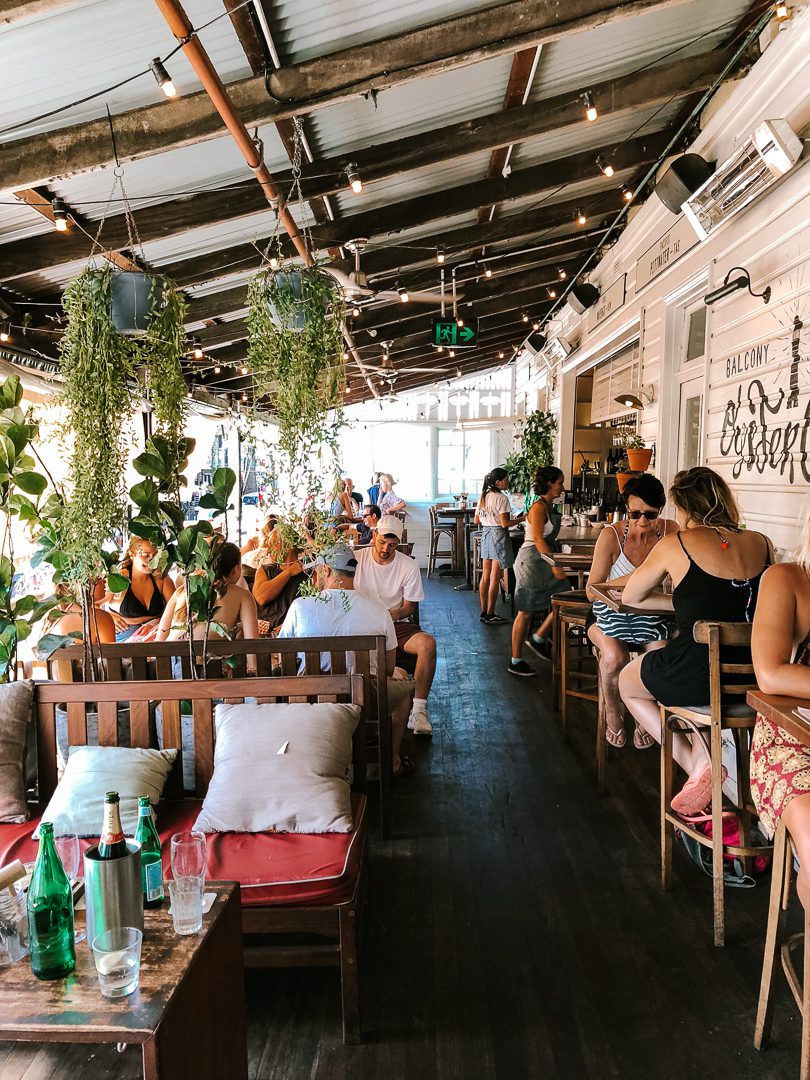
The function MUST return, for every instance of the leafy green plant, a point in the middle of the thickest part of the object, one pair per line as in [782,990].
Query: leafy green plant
[633,441]
[161,353]
[536,451]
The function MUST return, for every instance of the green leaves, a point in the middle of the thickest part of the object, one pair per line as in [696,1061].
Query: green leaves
[31,483]
[11,392]
[223,483]
[117,583]
[48,644]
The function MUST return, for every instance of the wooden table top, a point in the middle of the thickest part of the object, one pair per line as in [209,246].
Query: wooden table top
[73,1009]
[456,511]
[582,537]
[612,596]
[568,560]
[782,712]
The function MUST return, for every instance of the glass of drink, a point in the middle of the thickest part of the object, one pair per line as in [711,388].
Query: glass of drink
[186,895]
[67,848]
[188,855]
[117,955]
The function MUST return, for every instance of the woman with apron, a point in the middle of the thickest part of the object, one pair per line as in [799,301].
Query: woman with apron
[535,581]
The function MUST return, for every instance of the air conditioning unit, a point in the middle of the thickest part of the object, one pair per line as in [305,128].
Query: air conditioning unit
[770,152]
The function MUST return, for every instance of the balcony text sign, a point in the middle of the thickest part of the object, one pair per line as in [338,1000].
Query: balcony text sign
[610,300]
[665,251]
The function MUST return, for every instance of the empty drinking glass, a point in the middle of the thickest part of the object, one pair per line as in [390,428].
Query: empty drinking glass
[188,855]
[67,847]
[117,955]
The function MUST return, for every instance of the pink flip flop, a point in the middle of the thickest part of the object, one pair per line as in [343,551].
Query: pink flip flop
[696,794]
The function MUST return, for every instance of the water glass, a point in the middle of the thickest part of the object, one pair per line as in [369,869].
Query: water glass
[188,855]
[117,954]
[186,895]
[67,847]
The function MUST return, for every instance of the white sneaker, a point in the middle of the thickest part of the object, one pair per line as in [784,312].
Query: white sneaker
[419,723]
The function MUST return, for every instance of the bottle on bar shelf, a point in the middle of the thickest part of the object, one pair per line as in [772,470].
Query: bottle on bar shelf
[151,863]
[112,844]
[50,912]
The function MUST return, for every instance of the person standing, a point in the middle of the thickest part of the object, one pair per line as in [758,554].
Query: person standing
[389,502]
[374,491]
[395,580]
[494,515]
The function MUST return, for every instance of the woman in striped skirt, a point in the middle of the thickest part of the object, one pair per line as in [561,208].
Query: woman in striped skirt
[621,549]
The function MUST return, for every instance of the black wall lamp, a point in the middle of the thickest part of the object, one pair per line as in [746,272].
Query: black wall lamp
[731,285]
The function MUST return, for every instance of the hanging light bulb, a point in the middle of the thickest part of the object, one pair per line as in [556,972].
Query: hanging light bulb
[552,293]
[355,312]
[501,354]
[440,256]
[452,353]
[217,369]
[346,390]
[440,348]
[345,355]
[5,332]
[524,317]
[273,262]
[244,397]
[459,321]
[488,272]
[458,372]
[60,217]
[604,166]
[627,194]
[353,176]
[403,293]
[590,107]
[782,11]
[562,273]
[581,218]
[535,325]
[162,78]
[243,369]
[197,349]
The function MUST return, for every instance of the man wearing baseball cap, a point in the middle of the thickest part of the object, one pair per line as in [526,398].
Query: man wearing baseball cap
[338,611]
[394,580]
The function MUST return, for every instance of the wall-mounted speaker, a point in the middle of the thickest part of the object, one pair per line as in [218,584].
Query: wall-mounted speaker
[582,296]
[684,176]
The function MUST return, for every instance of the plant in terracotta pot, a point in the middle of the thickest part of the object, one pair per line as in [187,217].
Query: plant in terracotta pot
[623,472]
[638,454]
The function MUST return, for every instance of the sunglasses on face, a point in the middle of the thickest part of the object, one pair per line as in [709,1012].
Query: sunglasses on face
[650,515]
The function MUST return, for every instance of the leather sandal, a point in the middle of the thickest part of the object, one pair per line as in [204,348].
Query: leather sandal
[642,740]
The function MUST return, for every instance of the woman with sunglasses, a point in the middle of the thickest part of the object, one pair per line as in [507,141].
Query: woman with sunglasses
[621,549]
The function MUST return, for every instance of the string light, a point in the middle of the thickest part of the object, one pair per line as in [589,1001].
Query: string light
[459,321]
[403,293]
[535,325]
[243,369]
[605,168]
[5,332]
[452,353]
[458,372]
[552,293]
[440,256]
[590,107]
[501,354]
[197,349]
[524,317]
[782,11]
[627,194]
[244,397]
[581,219]
[440,348]
[345,355]
[356,311]
[561,273]
[162,78]
[273,262]
[353,176]
[217,369]
[60,217]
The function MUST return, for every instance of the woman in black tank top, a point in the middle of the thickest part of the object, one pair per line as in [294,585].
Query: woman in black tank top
[716,568]
[145,597]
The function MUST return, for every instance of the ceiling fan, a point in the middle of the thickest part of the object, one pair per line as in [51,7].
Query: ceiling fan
[386,370]
[357,288]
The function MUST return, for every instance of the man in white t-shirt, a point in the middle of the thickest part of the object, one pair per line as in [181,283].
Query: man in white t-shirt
[338,611]
[395,580]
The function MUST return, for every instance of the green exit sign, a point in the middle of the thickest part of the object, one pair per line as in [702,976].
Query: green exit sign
[448,333]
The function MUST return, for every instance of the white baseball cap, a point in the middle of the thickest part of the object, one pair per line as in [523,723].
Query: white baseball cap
[389,525]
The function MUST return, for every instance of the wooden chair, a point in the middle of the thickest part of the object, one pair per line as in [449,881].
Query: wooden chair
[708,723]
[439,531]
[477,569]
[776,940]
[577,599]
[574,681]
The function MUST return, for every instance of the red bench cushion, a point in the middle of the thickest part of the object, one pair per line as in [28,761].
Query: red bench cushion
[290,869]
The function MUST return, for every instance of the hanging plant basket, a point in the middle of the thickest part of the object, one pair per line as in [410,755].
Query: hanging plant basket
[132,300]
[284,300]
[639,459]
[622,478]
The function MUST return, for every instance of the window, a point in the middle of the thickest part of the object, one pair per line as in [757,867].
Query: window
[463,460]
[696,334]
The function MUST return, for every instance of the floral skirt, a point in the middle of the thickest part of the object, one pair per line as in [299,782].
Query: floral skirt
[780,770]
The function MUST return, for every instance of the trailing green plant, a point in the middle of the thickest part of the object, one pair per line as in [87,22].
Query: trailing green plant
[161,352]
[536,451]
[21,497]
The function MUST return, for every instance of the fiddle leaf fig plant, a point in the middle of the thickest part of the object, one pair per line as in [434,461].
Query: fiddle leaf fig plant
[536,451]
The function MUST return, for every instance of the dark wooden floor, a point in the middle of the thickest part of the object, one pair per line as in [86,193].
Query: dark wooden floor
[515,926]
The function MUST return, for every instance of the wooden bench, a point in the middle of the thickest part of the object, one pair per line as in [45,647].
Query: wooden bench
[274,656]
[273,931]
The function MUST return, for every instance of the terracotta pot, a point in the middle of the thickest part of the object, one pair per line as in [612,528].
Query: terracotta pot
[622,478]
[639,459]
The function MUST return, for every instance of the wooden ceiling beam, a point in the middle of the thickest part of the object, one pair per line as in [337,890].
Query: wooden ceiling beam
[12,11]
[315,84]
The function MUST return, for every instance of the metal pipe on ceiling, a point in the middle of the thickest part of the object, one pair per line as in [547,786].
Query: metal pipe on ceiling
[179,24]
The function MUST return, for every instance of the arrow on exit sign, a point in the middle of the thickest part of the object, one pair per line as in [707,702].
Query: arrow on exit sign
[447,333]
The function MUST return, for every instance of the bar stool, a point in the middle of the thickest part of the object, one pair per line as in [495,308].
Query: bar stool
[477,568]
[715,718]
[438,531]
[575,683]
[775,939]
[577,598]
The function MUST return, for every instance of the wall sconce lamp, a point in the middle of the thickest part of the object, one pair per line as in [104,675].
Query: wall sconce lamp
[634,401]
[731,285]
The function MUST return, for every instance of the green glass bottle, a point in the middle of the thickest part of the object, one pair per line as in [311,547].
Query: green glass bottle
[50,912]
[112,844]
[151,863]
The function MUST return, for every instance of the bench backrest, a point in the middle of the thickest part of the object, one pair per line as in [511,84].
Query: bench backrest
[107,697]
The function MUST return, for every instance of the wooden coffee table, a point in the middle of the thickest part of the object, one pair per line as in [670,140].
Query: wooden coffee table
[188,1014]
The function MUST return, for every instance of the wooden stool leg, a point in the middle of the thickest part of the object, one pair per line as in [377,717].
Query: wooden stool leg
[563,634]
[601,731]
[781,855]
[718,889]
[555,657]
[667,772]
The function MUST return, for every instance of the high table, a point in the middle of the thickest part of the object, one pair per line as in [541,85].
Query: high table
[578,537]
[782,711]
[571,562]
[611,595]
[460,516]
[188,1014]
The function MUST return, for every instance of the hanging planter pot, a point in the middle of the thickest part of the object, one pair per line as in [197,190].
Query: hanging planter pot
[622,478]
[132,296]
[285,294]
[639,459]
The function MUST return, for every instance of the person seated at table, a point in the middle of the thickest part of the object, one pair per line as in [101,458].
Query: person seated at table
[621,549]
[339,611]
[715,567]
[67,618]
[395,581]
[494,515]
[389,502]
[258,548]
[535,581]
[144,601]
[235,611]
[780,647]
[347,502]
[366,528]
[276,585]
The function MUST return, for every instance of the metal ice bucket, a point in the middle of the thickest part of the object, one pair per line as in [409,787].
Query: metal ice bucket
[112,889]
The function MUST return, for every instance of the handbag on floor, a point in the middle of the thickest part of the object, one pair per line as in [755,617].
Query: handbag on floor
[733,873]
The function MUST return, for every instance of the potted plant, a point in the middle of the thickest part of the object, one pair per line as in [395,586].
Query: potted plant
[536,451]
[623,472]
[638,454]
[132,301]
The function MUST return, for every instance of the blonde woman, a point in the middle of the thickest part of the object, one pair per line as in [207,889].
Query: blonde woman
[780,646]
[716,569]
[146,596]
[389,502]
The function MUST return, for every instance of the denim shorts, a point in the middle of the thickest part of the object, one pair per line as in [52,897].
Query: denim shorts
[496,545]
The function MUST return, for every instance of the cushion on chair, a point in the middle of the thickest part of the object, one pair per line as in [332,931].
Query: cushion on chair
[741,711]
[15,714]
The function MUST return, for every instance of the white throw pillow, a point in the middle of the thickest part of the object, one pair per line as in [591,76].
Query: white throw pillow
[91,771]
[281,768]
